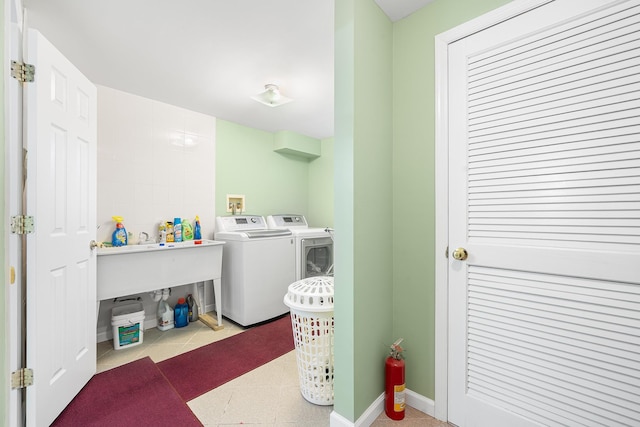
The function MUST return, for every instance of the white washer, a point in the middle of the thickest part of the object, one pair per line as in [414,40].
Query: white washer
[257,268]
[314,246]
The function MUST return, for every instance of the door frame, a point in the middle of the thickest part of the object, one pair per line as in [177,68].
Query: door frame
[13,293]
[442,42]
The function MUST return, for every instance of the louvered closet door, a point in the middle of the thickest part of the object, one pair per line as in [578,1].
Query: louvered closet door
[544,139]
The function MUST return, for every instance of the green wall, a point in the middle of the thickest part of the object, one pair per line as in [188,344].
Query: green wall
[272,183]
[246,164]
[363,204]
[414,180]
[320,196]
[385,182]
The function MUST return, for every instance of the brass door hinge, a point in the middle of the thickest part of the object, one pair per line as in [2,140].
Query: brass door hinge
[21,224]
[22,378]
[23,72]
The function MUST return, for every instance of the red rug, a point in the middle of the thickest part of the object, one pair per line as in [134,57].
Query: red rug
[135,394]
[203,369]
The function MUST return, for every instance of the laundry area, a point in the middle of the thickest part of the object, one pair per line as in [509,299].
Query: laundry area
[262,299]
[246,283]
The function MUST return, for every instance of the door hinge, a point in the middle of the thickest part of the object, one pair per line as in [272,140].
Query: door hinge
[23,72]
[22,378]
[21,224]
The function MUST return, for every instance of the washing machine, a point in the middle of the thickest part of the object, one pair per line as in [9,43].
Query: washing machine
[314,246]
[257,268]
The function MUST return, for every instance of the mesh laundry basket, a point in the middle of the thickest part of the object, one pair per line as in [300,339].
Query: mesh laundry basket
[311,304]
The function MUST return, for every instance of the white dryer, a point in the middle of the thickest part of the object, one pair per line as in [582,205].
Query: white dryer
[314,246]
[257,268]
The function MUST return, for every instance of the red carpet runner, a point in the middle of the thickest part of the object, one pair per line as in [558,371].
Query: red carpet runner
[135,394]
[198,371]
[142,393]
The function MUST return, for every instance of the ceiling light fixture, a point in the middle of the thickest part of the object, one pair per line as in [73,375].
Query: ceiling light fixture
[271,96]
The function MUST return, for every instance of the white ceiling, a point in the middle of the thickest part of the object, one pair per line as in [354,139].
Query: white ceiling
[398,9]
[209,56]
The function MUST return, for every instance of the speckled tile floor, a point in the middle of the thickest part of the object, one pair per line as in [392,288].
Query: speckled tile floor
[268,396]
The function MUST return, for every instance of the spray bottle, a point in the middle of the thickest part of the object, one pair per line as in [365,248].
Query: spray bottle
[119,236]
[197,232]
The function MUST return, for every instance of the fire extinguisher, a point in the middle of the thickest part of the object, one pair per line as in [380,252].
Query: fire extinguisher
[394,383]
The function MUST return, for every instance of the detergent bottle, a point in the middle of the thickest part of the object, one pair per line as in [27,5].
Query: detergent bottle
[197,233]
[181,313]
[177,229]
[187,230]
[119,236]
[193,308]
[170,236]
[165,313]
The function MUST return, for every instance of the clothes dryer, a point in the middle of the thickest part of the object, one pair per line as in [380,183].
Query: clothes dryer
[257,268]
[314,246]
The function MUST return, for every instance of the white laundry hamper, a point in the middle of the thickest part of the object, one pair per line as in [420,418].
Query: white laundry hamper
[311,304]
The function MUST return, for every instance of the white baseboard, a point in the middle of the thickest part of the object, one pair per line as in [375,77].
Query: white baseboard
[419,402]
[337,420]
[367,418]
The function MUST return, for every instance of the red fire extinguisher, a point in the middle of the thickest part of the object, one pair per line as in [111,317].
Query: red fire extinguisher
[394,383]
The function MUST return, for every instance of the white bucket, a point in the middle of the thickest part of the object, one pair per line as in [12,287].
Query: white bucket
[127,321]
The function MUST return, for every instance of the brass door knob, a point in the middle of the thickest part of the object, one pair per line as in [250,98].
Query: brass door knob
[460,254]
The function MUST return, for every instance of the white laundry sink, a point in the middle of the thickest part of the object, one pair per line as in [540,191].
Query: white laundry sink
[134,269]
[154,247]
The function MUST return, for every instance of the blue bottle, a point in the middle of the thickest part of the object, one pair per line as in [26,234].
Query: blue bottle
[181,313]
[197,232]
[119,236]
[177,229]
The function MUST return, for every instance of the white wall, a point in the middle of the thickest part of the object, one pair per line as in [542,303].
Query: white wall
[147,170]
[155,162]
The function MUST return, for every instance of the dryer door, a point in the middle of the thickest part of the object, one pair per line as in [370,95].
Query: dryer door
[317,257]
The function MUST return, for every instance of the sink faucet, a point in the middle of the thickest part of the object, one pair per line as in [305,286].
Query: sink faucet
[143,238]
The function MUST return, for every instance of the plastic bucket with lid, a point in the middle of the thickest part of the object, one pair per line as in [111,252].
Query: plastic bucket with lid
[127,322]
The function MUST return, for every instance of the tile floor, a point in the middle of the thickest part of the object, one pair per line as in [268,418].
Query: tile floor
[267,396]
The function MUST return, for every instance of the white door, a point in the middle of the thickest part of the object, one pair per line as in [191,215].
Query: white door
[61,194]
[544,195]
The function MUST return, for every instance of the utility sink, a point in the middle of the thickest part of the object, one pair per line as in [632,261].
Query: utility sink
[134,269]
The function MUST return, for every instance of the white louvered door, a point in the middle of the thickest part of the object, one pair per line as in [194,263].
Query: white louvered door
[544,194]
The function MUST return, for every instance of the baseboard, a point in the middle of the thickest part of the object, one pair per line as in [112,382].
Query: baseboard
[413,399]
[366,419]
[420,402]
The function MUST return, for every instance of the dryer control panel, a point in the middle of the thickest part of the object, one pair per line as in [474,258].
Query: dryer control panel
[287,221]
